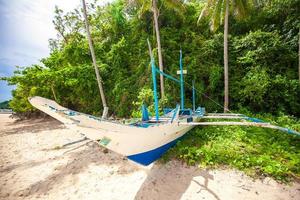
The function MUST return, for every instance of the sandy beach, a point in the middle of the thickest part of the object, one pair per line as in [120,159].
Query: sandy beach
[34,165]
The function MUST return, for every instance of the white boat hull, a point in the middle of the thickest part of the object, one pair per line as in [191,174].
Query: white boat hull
[141,144]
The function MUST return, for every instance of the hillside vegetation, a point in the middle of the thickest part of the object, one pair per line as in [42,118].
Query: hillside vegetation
[263,59]
[4,105]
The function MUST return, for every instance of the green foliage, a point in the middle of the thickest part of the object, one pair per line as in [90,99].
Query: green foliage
[254,86]
[256,151]
[216,10]
[262,60]
[145,97]
[4,105]
[264,86]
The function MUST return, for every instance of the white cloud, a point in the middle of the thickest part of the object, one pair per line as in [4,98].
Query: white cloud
[26,27]
[28,24]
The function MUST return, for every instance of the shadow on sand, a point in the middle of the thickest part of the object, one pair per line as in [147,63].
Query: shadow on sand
[34,126]
[79,161]
[79,155]
[163,181]
[172,180]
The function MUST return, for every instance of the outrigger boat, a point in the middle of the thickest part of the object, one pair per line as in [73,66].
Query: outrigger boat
[148,139]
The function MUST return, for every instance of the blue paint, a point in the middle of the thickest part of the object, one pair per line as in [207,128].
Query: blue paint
[181,81]
[141,125]
[67,112]
[185,112]
[52,108]
[200,111]
[145,114]
[189,119]
[93,117]
[167,110]
[254,120]
[289,131]
[71,113]
[174,114]
[148,157]
[167,76]
[154,89]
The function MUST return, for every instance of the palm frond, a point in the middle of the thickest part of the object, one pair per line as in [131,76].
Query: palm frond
[203,13]
[241,8]
[206,9]
[174,4]
[145,6]
[142,6]
[258,3]
[216,18]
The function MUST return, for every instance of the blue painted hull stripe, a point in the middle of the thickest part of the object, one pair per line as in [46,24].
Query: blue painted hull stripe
[148,157]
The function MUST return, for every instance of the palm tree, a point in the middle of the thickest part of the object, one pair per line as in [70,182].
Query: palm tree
[299,54]
[160,60]
[146,5]
[217,9]
[99,80]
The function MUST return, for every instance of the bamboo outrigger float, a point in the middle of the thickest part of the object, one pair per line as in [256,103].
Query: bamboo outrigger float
[148,139]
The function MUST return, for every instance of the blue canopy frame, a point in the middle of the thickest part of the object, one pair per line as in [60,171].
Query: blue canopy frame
[181,82]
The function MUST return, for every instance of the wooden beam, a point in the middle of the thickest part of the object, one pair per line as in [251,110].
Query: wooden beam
[226,124]
[257,124]
[223,117]
[224,114]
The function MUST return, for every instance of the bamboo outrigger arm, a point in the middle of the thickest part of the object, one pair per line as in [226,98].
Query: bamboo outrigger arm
[257,124]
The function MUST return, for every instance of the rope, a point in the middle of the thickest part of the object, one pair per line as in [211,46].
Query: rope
[204,95]
[255,121]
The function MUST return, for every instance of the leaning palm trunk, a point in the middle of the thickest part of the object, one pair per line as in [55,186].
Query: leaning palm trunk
[299,55]
[160,61]
[53,92]
[226,91]
[99,80]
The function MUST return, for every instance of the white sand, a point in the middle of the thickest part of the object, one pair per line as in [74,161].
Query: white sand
[31,168]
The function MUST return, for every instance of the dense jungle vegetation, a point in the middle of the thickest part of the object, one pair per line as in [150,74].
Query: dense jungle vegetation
[263,59]
[263,74]
[4,105]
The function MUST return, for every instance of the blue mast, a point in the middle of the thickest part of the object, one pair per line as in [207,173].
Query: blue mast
[153,68]
[155,89]
[181,81]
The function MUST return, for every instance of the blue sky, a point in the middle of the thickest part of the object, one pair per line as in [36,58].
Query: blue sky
[25,27]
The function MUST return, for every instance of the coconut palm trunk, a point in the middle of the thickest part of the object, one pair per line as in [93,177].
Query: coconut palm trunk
[53,92]
[299,55]
[160,60]
[99,80]
[226,90]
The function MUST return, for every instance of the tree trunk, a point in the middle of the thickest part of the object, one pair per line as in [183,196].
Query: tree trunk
[160,60]
[299,55]
[226,90]
[99,80]
[53,92]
